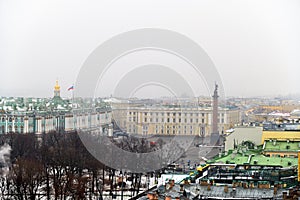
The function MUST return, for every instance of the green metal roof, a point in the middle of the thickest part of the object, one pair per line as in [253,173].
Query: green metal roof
[281,146]
[261,160]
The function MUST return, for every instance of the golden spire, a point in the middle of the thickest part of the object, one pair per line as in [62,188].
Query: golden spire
[57,87]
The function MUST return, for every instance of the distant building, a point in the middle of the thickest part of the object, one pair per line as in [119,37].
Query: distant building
[42,115]
[242,134]
[280,135]
[281,148]
[171,120]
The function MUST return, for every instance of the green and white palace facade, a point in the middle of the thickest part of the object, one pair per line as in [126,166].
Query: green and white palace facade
[38,115]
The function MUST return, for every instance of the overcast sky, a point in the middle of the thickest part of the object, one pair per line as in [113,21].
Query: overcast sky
[255,44]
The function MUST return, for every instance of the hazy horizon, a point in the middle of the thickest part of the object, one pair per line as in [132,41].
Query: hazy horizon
[254,45]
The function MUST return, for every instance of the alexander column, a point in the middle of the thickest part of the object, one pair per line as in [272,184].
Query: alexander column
[215,137]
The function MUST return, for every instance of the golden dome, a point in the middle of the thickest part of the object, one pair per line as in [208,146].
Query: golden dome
[56,87]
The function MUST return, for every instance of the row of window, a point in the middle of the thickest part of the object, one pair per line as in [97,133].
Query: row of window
[21,119]
[174,120]
[10,119]
[172,114]
[10,129]
[169,114]
[169,129]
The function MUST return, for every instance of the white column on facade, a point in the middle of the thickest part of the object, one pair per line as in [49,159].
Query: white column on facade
[41,125]
[38,125]
[47,124]
[13,124]
[68,123]
[26,124]
[6,124]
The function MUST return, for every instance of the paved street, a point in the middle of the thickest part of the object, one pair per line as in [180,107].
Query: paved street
[194,154]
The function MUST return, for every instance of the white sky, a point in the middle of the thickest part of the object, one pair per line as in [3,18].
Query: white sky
[254,44]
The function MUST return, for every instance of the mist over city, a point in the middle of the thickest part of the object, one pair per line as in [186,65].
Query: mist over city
[149,100]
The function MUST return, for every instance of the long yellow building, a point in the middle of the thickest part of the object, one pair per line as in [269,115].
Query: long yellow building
[280,135]
[163,120]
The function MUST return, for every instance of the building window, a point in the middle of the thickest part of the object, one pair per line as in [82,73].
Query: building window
[174,120]
[3,129]
[202,121]
[145,120]
[9,128]
[22,129]
[191,120]
[202,131]
[145,129]
[3,119]
[168,120]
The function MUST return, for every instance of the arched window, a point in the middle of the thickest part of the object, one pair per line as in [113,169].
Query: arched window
[10,119]
[22,129]
[3,129]
[16,129]
[3,119]
[9,128]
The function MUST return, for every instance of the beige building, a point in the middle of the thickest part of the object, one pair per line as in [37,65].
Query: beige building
[168,120]
[242,134]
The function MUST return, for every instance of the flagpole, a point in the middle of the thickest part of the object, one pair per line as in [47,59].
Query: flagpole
[72,95]
[74,118]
